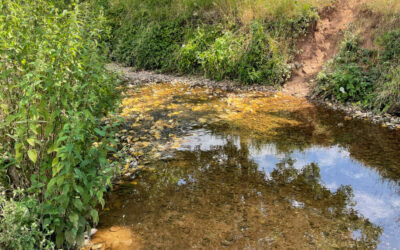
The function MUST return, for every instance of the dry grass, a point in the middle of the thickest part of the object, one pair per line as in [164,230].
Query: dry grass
[250,10]
[385,7]
[244,11]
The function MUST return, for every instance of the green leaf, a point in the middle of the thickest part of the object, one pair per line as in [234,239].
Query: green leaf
[70,236]
[95,215]
[32,155]
[50,186]
[55,162]
[74,218]
[78,204]
[18,153]
[52,149]
[31,141]
[60,239]
[100,132]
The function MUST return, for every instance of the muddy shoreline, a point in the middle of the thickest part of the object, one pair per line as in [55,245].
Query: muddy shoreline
[134,78]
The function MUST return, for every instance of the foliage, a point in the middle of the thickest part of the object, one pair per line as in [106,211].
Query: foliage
[20,226]
[249,41]
[220,60]
[54,89]
[156,45]
[188,57]
[368,77]
[388,87]
[263,60]
[355,74]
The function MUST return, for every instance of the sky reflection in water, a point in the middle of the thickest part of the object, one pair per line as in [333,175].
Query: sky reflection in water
[376,198]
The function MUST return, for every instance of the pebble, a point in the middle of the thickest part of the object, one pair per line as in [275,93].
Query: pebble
[114,229]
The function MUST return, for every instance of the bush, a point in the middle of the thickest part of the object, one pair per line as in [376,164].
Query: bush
[221,59]
[366,77]
[54,90]
[188,58]
[390,42]
[262,60]
[150,47]
[351,76]
[156,45]
[249,41]
[388,89]
[388,92]
[250,58]
[20,226]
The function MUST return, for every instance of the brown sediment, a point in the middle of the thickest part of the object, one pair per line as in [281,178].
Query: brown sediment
[115,237]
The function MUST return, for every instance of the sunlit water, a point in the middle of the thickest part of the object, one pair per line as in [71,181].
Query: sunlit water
[283,174]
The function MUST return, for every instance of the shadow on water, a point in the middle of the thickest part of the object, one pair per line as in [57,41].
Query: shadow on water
[318,180]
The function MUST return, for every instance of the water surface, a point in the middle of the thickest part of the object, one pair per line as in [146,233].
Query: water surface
[251,170]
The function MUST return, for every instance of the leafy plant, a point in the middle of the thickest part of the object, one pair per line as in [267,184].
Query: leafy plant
[20,226]
[156,46]
[54,90]
[351,76]
[188,58]
[262,61]
[222,58]
[249,41]
[369,78]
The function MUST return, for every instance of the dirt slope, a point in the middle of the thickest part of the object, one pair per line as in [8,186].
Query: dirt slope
[321,45]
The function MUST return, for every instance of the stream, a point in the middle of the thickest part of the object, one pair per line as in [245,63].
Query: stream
[210,169]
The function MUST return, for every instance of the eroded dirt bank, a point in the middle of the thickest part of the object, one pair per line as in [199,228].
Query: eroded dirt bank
[320,46]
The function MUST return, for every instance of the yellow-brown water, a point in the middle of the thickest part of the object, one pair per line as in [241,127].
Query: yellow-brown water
[250,170]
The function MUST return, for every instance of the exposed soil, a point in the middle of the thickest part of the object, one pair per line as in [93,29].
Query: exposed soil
[320,46]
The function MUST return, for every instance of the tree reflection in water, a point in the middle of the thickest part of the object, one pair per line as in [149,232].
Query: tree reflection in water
[218,197]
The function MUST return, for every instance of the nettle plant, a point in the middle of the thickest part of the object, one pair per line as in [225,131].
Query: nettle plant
[54,90]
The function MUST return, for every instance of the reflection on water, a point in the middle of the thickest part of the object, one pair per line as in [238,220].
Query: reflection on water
[311,180]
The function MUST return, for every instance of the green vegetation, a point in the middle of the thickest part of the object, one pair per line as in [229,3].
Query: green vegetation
[54,90]
[249,41]
[369,77]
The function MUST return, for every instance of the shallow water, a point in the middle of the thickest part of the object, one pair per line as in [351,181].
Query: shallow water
[250,170]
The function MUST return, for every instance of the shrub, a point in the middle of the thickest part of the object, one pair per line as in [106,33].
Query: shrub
[156,45]
[390,41]
[351,76]
[20,226]
[388,89]
[388,92]
[221,59]
[249,41]
[262,60]
[149,46]
[250,58]
[54,89]
[367,77]
[188,58]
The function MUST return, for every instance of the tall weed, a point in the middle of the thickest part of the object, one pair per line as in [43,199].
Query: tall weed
[54,89]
